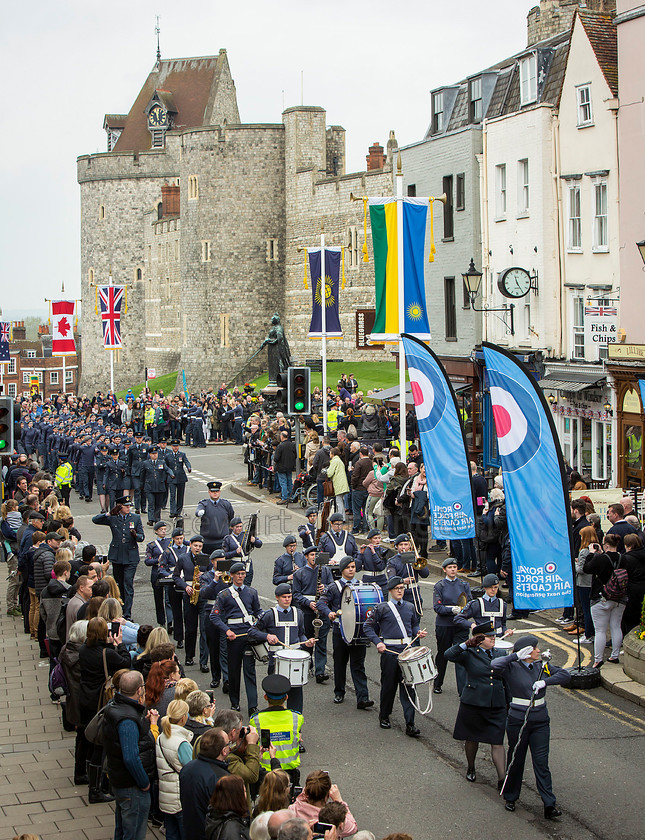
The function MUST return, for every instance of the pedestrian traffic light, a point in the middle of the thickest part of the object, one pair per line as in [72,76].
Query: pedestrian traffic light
[299,390]
[6,425]
[281,393]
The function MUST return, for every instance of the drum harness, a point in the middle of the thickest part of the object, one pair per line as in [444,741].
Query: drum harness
[408,642]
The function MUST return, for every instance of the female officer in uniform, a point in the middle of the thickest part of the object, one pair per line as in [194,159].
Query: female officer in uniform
[482,711]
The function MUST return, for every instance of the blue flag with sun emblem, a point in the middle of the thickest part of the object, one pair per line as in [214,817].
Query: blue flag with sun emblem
[445,457]
[537,499]
[331,286]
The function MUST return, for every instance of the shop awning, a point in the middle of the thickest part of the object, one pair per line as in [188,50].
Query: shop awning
[390,396]
[573,383]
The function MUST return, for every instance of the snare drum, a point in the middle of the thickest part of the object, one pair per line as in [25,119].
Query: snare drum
[260,651]
[417,666]
[503,645]
[294,665]
[357,603]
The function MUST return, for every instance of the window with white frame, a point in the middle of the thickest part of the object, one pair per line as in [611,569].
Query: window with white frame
[601,450]
[25,378]
[600,220]
[193,187]
[31,354]
[500,191]
[523,195]
[352,242]
[272,250]
[578,328]
[11,389]
[53,377]
[437,112]
[585,113]
[206,250]
[528,79]
[476,103]
[575,224]
[11,368]
[69,377]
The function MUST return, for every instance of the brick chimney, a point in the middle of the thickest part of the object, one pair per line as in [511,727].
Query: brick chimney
[170,199]
[376,159]
[19,331]
[43,329]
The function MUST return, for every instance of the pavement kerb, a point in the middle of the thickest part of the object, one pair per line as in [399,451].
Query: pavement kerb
[612,677]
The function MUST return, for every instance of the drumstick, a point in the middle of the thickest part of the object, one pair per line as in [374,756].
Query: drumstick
[412,642]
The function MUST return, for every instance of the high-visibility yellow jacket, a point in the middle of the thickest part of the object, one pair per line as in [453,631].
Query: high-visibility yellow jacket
[64,474]
[285,727]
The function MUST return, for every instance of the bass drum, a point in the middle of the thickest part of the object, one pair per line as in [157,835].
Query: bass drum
[357,603]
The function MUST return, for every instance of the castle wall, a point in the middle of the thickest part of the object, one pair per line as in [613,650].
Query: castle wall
[163,295]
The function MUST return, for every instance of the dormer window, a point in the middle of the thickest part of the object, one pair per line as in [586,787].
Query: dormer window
[528,79]
[476,110]
[437,112]
[113,136]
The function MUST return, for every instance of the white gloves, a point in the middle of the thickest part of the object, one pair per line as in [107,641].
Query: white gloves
[199,512]
[456,610]
[538,685]
[525,652]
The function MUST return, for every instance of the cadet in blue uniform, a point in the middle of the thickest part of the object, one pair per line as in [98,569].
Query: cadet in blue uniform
[287,564]
[307,532]
[215,514]
[373,561]
[183,575]
[101,459]
[137,455]
[178,463]
[354,653]
[526,683]
[127,531]
[155,474]
[236,610]
[113,481]
[482,711]
[154,553]
[397,566]
[232,548]
[178,546]
[490,607]
[286,623]
[216,640]
[445,600]
[391,627]
[338,543]
[308,584]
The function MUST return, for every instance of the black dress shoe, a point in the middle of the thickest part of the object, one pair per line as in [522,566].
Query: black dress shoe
[180,645]
[225,687]
[437,690]
[411,731]
[214,683]
[301,748]
[235,708]
[364,704]
[150,523]
[190,662]
[384,723]
[552,812]
[471,775]
[321,678]
[203,669]
[169,629]
[338,698]
[510,806]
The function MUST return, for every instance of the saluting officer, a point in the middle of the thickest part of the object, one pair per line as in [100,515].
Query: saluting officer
[445,601]
[137,455]
[154,552]
[155,474]
[306,592]
[374,562]
[398,566]
[490,607]
[391,626]
[178,463]
[338,542]
[236,610]
[178,547]
[354,653]
[286,623]
[287,564]
[307,531]
[215,514]
[183,575]
[526,683]
[232,548]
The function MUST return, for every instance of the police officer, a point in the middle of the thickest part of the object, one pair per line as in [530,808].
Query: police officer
[178,463]
[286,622]
[127,531]
[354,653]
[137,455]
[392,626]
[236,610]
[287,564]
[399,566]
[155,474]
[445,601]
[215,639]
[338,543]
[283,724]
[373,560]
[307,531]
[178,546]
[154,553]
[183,576]
[306,592]
[215,514]
[490,607]
[64,476]
[482,711]
[232,547]
[526,679]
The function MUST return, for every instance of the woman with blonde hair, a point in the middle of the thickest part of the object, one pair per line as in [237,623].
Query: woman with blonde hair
[115,592]
[158,636]
[112,612]
[275,792]
[312,446]
[184,687]
[173,752]
[588,545]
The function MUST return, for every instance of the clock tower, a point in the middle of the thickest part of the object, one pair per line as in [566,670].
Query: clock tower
[160,112]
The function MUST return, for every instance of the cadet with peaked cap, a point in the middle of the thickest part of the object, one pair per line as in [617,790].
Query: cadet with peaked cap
[286,623]
[215,514]
[215,638]
[288,562]
[195,615]
[137,455]
[401,567]
[489,607]
[373,560]
[306,593]
[283,724]
[178,463]
[482,711]
[155,474]
[526,678]
[307,531]
[338,543]
[178,547]
[154,552]
[445,601]
[232,547]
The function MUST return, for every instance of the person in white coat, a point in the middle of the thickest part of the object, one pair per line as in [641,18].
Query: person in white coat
[173,751]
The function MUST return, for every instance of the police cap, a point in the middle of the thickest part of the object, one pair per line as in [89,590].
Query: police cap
[275,686]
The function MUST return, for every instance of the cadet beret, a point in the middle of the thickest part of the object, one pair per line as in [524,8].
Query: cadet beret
[177,532]
[394,581]
[336,517]
[237,567]
[525,641]
[160,524]
[214,485]
[283,589]
[344,562]
[490,580]
[218,554]
[373,533]
[486,627]
[311,510]
[449,561]
[275,686]
[123,500]
[307,551]
[288,540]
[401,538]
[237,520]
[196,538]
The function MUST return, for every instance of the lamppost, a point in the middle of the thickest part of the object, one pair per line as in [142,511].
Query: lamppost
[472,281]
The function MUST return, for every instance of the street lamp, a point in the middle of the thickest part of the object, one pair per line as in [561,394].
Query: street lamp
[472,281]
[641,248]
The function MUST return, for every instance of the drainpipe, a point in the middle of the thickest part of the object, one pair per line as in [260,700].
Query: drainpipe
[559,233]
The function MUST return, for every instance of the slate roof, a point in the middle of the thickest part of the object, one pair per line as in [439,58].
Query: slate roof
[114,120]
[601,31]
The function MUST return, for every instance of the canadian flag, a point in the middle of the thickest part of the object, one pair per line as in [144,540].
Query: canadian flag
[63,343]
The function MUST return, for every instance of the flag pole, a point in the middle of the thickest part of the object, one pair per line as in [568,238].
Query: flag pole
[323,326]
[111,348]
[400,268]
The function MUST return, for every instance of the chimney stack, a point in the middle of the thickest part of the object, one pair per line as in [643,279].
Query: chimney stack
[376,159]
[170,199]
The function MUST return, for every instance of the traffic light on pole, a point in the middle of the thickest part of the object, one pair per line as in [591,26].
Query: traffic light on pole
[281,393]
[6,425]
[299,390]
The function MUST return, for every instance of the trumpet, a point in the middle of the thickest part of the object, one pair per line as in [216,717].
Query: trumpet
[409,558]
[419,562]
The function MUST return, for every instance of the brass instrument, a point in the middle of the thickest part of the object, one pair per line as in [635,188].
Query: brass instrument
[409,558]
[224,566]
[317,623]
[419,562]
[194,596]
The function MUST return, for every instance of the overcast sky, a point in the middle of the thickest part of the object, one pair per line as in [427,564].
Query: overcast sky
[66,63]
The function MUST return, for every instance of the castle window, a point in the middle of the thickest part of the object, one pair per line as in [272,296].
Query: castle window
[193,187]
[160,211]
[272,250]
[223,329]
[101,211]
[138,274]
[353,247]
[90,276]
[206,250]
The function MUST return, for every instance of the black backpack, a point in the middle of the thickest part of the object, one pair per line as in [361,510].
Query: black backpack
[61,621]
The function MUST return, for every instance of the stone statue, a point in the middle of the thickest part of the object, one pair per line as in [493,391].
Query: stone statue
[278,349]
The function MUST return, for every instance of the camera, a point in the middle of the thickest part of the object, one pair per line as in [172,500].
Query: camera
[244,731]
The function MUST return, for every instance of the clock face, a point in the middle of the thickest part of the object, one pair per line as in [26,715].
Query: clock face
[157,116]
[514,282]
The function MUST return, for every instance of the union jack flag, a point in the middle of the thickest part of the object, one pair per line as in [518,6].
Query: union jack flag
[111,299]
[5,332]
[601,311]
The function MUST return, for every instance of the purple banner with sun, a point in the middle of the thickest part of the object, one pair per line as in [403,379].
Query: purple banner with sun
[537,501]
[445,457]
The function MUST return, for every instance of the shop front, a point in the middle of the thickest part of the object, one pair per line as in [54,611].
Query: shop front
[626,366]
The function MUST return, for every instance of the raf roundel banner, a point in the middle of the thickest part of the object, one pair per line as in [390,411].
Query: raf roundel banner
[537,501]
[442,443]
